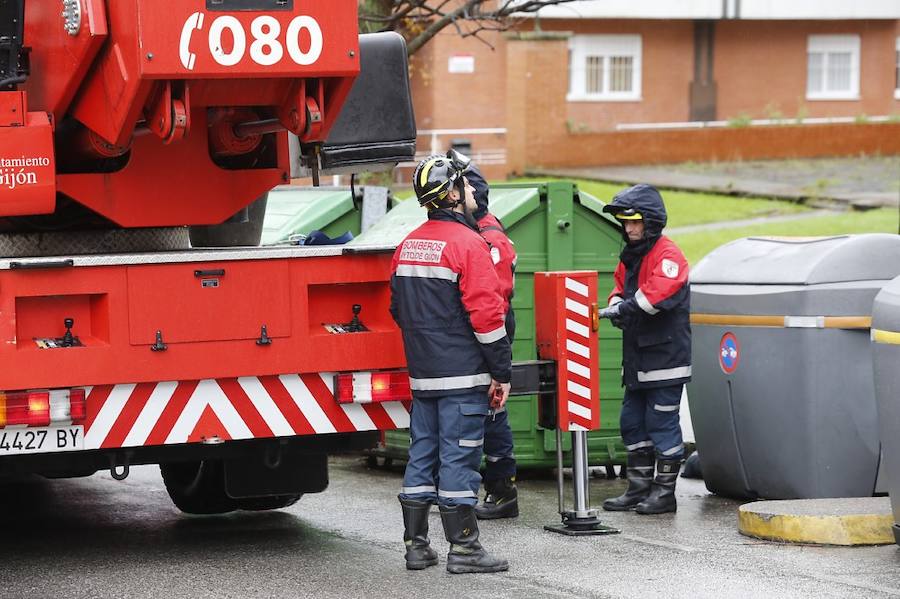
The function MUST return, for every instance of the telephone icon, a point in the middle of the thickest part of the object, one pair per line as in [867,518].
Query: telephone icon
[193,23]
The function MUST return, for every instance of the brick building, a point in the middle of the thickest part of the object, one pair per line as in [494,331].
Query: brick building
[618,81]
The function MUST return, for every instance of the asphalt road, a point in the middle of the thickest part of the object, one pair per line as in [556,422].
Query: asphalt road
[96,537]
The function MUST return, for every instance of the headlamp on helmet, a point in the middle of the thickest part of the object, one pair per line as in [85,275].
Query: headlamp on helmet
[629,214]
[459,160]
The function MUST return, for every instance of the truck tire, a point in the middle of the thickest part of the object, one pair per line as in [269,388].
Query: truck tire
[275,502]
[94,241]
[197,487]
[233,233]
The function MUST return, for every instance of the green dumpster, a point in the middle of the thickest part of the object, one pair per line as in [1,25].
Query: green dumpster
[554,227]
[294,210]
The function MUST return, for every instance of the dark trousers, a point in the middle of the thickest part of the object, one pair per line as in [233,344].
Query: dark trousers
[650,419]
[446,443]
[500,461]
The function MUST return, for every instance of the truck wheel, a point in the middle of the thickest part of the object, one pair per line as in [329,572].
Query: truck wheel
[197,487]
[243,229]
[275,502]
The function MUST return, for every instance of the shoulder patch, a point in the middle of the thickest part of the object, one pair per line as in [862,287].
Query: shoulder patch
[422,250]
[670,268]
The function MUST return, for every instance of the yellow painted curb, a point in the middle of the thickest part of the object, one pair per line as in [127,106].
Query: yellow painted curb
[847,522]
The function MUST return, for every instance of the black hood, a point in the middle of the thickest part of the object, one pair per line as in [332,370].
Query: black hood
[646,200]
[476,180]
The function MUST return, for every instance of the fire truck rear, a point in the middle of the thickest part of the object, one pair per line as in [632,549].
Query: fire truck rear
[129,126]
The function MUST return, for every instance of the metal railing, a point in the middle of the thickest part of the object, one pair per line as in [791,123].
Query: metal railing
[438,144]
[737,123]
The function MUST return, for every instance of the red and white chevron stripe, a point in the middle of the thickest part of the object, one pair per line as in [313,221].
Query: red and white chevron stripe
[579,347]
[231,408]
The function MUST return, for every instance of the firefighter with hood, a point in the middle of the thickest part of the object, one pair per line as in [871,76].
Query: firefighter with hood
[445,297]
[501,496]
[651,304]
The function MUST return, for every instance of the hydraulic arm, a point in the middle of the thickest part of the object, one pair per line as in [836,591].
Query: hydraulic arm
[164,113]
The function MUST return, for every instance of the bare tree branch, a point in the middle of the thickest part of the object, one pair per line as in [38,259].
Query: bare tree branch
[437,25]
[420,20]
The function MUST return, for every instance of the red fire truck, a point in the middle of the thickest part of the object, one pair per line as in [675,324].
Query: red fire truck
[127,126]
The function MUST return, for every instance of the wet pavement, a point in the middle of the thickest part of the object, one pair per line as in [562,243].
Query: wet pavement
[96,537]
[859,182]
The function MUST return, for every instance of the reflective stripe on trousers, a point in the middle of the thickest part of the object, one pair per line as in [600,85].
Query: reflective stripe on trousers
[639,445]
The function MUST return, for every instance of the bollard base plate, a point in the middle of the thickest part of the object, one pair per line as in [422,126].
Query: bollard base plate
[597,529]
[575,526]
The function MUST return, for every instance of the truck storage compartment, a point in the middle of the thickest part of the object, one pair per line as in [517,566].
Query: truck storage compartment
[210,301]
[331,308]
[41,320]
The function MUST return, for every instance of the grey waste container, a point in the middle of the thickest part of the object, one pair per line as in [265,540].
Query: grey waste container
[782,397]
[886,357]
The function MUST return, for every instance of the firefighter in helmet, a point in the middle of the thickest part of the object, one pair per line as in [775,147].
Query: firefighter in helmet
[445,298]
[651,304]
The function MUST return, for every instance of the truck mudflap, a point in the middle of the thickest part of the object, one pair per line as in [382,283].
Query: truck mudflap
[217,410]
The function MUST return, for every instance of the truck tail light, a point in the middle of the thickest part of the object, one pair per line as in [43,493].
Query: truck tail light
[372,387]
[77,405]
[42,408]
[31,408]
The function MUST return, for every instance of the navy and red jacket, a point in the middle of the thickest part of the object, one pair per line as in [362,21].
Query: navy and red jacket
[445,297]
[503,255]
[653,289]
[656,339]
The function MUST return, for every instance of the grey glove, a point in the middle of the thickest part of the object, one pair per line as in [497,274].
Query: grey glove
[618,322]
[610,312]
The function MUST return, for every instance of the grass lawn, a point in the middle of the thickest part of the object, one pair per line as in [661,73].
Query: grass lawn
[689,208]
[684,208]
[697,245]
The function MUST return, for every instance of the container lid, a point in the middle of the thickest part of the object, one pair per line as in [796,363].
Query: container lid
[801,260]
[294,209]
[508,204]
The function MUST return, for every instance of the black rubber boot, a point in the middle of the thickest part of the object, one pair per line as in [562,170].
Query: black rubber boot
[467,556]
[501,500]
[419,554]
[639,470]
[662,493]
